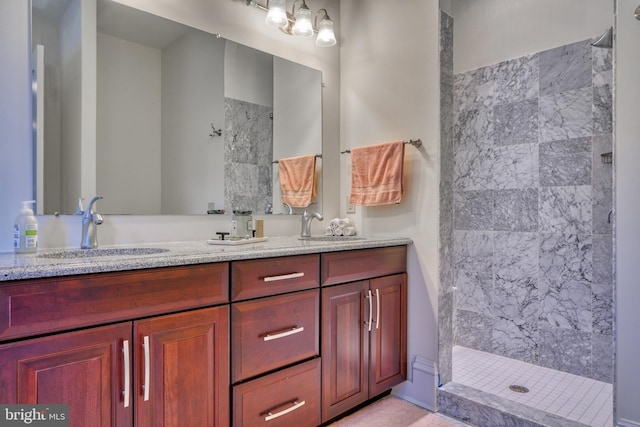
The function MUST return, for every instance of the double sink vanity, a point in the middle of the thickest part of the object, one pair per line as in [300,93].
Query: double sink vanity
[286,332]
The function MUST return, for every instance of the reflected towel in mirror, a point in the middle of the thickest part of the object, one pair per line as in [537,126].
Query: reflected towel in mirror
[298,180]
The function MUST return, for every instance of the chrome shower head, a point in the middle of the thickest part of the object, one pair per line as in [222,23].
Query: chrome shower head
[636,14]
[605,40]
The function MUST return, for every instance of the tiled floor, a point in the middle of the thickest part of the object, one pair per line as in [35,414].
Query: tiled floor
[393,412]
[576,398]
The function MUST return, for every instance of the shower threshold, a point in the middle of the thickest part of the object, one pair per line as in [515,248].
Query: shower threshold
[482,392]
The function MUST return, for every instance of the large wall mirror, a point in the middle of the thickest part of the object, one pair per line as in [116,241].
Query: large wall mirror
[161,118]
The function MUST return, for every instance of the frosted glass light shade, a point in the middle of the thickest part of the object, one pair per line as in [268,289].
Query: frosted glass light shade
[303,26]
[326,36]
[277,15]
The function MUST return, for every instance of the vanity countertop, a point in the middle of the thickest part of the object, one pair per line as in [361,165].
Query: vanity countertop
[16,267]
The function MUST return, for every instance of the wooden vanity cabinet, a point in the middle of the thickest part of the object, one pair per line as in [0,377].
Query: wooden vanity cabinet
[294,340]
[364,328]
[275,345]
[84,369]
[162,370]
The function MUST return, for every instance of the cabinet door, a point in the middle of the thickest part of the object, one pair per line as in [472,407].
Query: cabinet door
[84,369]
[182,369]
[345,347]
[388,346]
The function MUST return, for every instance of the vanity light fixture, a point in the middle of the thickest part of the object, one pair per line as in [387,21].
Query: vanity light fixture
[298,21]
[277,15]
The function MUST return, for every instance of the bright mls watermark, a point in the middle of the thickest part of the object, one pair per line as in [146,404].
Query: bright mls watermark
[34,415]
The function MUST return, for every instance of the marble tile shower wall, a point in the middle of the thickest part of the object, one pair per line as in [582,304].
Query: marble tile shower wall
[532,245]
[446,295]
[248,153]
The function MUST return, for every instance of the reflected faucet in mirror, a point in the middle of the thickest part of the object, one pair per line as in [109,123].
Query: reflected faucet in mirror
[90,222]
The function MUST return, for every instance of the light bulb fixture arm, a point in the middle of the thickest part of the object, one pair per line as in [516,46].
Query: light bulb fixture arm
[315,19]
[293,7]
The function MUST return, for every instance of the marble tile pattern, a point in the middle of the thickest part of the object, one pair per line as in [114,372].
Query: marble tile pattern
[446,269]
[248,151]
[532,236]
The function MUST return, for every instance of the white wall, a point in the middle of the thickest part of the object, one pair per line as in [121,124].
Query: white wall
[248,74]
[492,31]
[15,116]
[627,206]
[128,132]
[192,161]
[390,91]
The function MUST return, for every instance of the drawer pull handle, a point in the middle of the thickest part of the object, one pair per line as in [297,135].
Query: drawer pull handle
[275,336]
[377,308]
[295,406]
[146,386]
[370,298]
[283,277]
[127,372]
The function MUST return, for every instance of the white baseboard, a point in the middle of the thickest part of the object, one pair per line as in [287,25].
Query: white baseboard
[627,423]
[421,388]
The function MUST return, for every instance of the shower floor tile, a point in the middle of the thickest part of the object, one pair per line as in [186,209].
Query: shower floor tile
[570,396]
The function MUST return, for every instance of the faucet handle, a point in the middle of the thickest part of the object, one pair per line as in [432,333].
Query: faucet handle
[79,209]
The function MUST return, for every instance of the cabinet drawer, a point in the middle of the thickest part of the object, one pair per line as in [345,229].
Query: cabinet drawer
[349,266]
[273,332]
[53,304]
[290,397]
[270,276]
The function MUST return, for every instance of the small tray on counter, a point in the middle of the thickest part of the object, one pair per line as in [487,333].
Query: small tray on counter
[234,242]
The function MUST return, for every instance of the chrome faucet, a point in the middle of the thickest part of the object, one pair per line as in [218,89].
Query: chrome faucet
[289,208]
[90,222]
[306,222]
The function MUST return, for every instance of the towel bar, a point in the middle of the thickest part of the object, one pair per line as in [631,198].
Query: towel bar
[317,155]
[415,142]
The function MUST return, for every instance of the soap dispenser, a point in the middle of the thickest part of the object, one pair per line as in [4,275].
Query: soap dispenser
[25,230]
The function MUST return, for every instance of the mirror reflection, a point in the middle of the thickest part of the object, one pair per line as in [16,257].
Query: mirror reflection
[161,118]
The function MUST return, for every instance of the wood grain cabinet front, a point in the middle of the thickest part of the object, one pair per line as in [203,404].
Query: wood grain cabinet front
[171,371]
[269,333]
[364,339]
[271,276]
[87,370]
[53,304]
[289,397]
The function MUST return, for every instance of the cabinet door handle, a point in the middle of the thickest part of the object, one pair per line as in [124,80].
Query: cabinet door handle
[283,277]
[126,393]
[377,308]
[370,298]
[146,386]
[295,405]
[274,336]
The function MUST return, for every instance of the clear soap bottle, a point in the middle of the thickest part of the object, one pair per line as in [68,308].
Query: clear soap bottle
[25,230]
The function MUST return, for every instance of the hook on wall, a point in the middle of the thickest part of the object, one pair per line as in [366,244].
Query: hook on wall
[214,131]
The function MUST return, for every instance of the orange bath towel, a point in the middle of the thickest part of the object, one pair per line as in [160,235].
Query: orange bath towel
[376,174]
[298,180]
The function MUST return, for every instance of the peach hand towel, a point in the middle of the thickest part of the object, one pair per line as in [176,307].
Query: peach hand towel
[376,174]
[298,180]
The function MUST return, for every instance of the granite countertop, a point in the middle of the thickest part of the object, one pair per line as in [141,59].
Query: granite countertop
[16,267]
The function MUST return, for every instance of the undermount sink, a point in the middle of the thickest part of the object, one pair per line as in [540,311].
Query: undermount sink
[332,238]
[102,252]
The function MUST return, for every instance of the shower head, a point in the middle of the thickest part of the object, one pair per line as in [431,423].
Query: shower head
[605,40]
[636,14]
